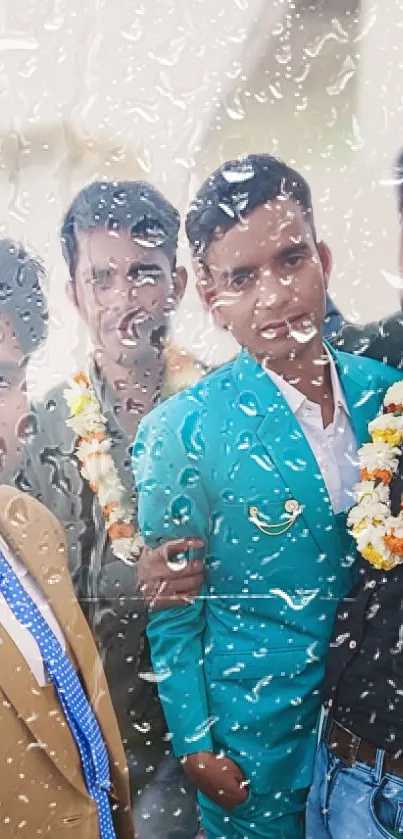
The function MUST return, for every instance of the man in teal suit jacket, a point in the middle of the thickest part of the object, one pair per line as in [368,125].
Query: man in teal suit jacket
[240,669]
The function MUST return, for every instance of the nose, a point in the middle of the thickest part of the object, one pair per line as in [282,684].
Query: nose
[125,294]
[273,291]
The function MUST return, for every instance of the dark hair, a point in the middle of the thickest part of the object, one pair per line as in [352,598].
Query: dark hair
[21,297]
[237,188]
[399,181]
[121,205]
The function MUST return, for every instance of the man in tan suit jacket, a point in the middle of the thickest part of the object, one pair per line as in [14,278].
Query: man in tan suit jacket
[43,791]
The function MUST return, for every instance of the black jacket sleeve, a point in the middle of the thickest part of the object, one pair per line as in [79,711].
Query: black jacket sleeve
[382,340]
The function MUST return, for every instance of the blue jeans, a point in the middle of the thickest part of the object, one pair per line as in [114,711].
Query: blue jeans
[166,808]
[271,816]
[357,802]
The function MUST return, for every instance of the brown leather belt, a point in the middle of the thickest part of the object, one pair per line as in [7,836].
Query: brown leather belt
[352,749]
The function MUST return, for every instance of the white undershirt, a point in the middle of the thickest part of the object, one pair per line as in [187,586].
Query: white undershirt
[334,447]
[19,634]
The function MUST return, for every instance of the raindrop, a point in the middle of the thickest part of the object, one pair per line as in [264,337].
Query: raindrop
[336,34]
[340,82]
[275,90]
[303,336]
[236,110]
[53,577]
[297,601]
[393,279]
[371,20]
[202,730]
[356,140]
[155,678]
[16,512]
[248,403]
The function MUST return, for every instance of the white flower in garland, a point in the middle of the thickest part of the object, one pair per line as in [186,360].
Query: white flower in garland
[378,457]
[370,511]
[378,533]
[98,467]
[394,396]
[371,544]
[368,491]
[387,428]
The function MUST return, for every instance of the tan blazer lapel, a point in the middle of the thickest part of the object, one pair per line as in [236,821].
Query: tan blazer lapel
[27,698]
[37,538]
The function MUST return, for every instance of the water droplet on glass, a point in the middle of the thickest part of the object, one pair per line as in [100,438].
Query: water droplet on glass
[16,512]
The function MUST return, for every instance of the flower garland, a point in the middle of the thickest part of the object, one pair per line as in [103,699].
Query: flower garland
[93,449]
[379,534]
[98,467]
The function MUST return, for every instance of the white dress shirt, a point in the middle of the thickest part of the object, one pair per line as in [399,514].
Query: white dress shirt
[334,447]
[18,633]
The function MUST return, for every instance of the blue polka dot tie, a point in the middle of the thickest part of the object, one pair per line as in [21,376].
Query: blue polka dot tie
[82,721]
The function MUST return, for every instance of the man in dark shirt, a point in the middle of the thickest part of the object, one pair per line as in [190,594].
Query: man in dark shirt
[119,241]
[358,782]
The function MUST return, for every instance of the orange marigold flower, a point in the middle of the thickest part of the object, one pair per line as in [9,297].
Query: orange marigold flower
[81,377]
[382,474]
[109,508]
[119,531]
[394,544]
[394,408]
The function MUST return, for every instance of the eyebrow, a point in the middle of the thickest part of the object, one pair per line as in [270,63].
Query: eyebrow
[133,268]
[232,272]
[288,250]
[291,250]
[137,267]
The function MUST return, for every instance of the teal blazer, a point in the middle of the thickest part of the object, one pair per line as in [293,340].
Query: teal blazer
[240,670]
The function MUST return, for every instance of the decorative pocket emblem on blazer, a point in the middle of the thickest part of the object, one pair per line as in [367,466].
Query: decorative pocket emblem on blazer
[292,508]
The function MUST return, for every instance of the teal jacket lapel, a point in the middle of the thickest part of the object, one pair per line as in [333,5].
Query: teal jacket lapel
[284,441]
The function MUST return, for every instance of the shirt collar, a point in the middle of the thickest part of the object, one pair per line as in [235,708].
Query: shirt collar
[296,399]
[106,400]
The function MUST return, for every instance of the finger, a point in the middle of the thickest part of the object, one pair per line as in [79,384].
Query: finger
[161,603]
[159,599]
[184,585]
[177,546]
[175,583]
[172,587]
[175,599]
[158,593]
[194,568]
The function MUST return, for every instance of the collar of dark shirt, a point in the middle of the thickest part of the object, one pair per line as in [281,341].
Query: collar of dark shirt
[108,403]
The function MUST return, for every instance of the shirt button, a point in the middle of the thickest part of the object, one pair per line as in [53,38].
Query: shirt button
[352,645]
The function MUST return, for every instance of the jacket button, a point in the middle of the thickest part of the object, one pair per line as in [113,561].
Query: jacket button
[352,645]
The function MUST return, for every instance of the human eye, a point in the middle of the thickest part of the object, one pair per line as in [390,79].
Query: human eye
[102,277]
[145,276]
[241,280]
[5,381]
[295,259]
[10,376]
